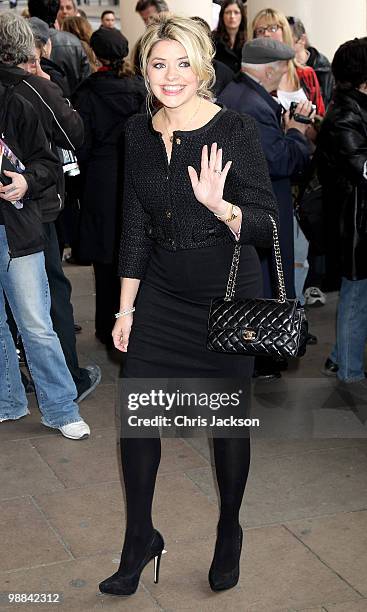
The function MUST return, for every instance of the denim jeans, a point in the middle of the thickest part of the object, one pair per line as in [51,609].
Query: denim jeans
[24,282]
[351,330]
[300,260]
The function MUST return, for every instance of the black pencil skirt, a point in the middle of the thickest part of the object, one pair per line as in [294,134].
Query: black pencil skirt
[169,333]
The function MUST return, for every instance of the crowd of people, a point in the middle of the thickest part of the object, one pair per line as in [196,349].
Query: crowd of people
[152,165]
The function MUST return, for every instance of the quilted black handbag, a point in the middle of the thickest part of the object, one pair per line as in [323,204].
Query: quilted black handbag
[257,327]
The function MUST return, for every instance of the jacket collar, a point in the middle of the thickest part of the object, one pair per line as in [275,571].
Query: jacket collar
[12,75]
[274,105]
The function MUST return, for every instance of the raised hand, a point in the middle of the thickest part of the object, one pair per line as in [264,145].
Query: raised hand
[208,188]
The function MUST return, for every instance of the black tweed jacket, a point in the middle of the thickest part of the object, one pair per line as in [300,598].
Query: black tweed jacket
[159,204]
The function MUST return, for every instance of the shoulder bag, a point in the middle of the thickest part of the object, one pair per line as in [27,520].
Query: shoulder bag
[257,327]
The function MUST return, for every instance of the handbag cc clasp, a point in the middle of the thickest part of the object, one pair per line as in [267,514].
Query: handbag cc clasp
[249,334]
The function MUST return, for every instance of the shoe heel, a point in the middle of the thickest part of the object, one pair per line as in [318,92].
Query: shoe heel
[157,563]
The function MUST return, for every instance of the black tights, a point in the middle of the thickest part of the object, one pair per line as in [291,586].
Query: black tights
[140,460]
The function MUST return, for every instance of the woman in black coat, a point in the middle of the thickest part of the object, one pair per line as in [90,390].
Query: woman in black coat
[343,173]
[105,100]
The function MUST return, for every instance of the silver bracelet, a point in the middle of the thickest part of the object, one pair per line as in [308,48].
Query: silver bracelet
[124,313]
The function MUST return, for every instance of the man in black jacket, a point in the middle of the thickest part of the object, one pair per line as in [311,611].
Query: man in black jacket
[23,277]
[67,51]
[64,128]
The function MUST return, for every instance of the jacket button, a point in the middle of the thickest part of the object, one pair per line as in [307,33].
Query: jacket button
[168,214]
[178,140]
[172,242]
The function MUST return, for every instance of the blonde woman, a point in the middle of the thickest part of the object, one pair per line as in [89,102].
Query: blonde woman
[195,182]
[300,82]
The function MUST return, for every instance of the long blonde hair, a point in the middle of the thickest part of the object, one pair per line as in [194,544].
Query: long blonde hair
[270,16]
[193,36]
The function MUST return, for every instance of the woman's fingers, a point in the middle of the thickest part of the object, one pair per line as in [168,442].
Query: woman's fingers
[204,161]
[225,171]
[213,156]
[218,162]
[193,176]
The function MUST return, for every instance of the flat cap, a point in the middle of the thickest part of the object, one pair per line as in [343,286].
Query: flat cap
[266,50]
[109,44]
[40,29]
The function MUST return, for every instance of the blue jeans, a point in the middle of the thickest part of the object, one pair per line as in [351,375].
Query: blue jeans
[351,330]
[300,260]
[24,282]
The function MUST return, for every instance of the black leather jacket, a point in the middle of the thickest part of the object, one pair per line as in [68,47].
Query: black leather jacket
[342,148]
[322,67]
[68,53]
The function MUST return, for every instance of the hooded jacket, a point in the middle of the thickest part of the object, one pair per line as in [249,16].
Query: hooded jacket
[62,125]
[22,132]
[105,102]
[342,151]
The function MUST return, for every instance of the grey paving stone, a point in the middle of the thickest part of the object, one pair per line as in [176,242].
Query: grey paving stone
[24,472]
[341,542]
[288,487]
[26,538]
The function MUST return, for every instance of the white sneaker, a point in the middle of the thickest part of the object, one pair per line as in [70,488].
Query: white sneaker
[314,297]
[75,431]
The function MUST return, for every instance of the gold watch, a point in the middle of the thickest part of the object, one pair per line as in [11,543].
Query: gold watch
[233,214]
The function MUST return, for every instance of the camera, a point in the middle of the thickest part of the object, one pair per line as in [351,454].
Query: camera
[297,116]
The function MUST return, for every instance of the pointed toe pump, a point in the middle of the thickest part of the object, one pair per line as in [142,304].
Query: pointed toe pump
[126,584]
[220,580]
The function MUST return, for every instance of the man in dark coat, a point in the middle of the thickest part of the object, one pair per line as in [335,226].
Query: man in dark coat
[264,61]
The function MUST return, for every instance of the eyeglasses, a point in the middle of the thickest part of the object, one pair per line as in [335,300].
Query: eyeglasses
[270,28]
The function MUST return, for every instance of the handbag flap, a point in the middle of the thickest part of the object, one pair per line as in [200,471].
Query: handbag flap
[250,313]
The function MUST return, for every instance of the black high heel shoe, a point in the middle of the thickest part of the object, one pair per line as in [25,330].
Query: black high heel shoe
[118,584]
[219,580]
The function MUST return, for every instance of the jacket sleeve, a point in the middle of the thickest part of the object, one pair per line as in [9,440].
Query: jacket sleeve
[81,102]
[349,140]
[286,154]
[41,164]
[67,125]
[249,187]
[135,245]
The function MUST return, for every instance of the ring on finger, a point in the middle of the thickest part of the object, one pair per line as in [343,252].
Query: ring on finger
[218,171]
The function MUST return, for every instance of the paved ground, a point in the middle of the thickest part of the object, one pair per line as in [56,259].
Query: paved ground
[305,513]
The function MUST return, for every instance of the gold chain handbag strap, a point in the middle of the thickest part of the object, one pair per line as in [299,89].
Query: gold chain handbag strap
[231,284]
